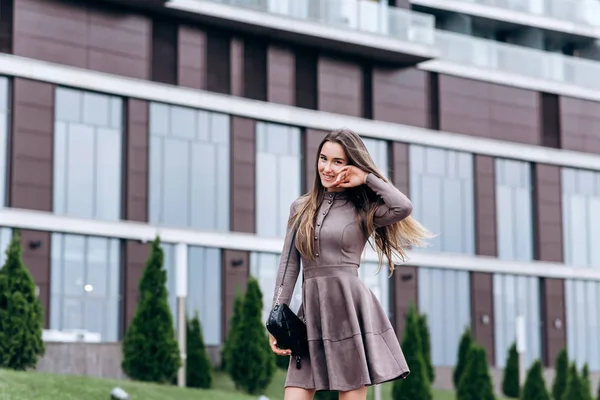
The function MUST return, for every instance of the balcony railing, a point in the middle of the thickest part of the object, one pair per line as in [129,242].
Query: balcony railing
[359,15]
[585,12]
[512,59]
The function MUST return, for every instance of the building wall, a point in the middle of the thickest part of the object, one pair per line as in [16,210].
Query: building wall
[458,198]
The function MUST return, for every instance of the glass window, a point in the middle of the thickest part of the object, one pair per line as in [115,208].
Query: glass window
[85,284]
[4,126]
[441,189]
[278,176]
[189,168]
[264,266]
[203,291]
[444,296]
[513,296]
[582,299]
[88,135]
[581,217]
[514,210]
[378,282]
[379,153]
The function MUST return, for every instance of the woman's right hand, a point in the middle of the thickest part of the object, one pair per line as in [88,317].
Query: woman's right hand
[277,350]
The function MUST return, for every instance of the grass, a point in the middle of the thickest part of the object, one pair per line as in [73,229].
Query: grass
[44,386]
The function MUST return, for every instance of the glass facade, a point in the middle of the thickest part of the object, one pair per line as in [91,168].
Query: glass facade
[85,286]
[379,153]
[88,137]
[263,266]
[4,133]
[441,188]
[581,234]
[203,288]
[278,176]
[189,168]
[515,295]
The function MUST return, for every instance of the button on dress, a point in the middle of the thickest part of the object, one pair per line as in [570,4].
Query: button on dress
[351,340]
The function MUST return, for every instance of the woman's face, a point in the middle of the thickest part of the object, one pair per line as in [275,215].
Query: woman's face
[331,160]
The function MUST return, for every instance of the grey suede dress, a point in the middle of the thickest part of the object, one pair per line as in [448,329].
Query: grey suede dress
[351,340]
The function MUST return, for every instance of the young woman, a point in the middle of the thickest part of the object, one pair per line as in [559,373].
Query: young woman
[352,344]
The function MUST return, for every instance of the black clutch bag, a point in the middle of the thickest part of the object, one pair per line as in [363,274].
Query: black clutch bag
[285,326]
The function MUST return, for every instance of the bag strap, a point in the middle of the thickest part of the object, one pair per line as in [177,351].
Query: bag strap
[286,265]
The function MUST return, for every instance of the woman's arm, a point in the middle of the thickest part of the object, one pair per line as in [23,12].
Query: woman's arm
[396,205]
[293,268]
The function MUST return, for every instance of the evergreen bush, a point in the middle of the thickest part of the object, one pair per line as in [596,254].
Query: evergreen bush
[586,382]
[560,380]
[21,312]
[150,349]
[510,381]
[466,341]
[327,395]
[574,390]
[476,381]
[535,386]
[598,393]
[253,366]
[416,385]
[426,346]
[234,328]
[282,362]
[198,368]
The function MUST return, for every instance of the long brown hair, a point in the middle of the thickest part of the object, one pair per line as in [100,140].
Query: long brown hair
[390,240]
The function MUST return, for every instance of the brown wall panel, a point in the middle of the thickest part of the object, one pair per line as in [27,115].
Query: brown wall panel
[401,96]
[31,164]
[38,262]
[404,286]
[482,311]
[236,269]
[340,86]
[579,121]
[312,139]
[237,67]
[485,206]
[136,176]
[281,75]
[32,145]
[191,54]
[243,165]
[548,247]
[136,255]
[553,311]
[489,110]
[106,40]
[400,167]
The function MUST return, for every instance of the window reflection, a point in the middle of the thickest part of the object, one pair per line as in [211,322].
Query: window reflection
[203,290]
[189,168]
[88,133]
[85,285]
[278,174]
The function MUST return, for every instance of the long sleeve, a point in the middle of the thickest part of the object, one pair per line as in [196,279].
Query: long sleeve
[396,205]
[293,268]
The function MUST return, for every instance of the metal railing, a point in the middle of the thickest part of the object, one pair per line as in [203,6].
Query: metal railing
[519,60]
[585,12]
[367,16]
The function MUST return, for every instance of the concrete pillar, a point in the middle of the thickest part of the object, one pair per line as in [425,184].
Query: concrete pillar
[181,268]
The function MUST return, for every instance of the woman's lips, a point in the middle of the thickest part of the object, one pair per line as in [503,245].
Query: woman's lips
[328,177]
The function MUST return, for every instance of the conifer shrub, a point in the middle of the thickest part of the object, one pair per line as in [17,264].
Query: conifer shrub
[198,368]
[476,381]
[150,348]
[234,328]
[252,367]
[416,385]
[534,387]
[21,312]
[560,379]
[510,380]
[586,382]
[426,347]
[575,389]
[466,341]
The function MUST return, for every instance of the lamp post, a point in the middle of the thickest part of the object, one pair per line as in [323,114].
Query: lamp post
[181,268]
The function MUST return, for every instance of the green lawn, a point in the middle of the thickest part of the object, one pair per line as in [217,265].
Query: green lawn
[42,386]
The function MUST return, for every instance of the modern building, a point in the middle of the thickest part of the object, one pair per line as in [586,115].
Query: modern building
[198,120]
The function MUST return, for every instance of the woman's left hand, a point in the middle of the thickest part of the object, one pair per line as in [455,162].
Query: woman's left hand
[350,176]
